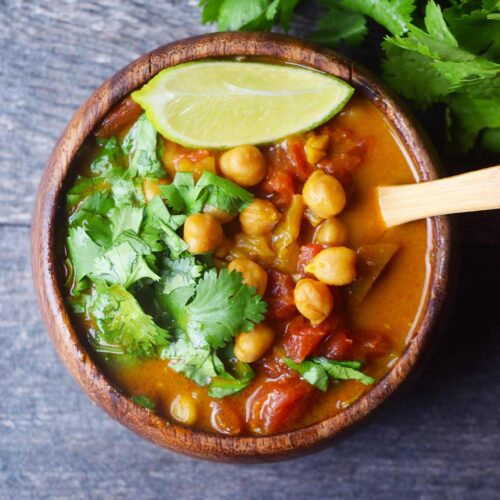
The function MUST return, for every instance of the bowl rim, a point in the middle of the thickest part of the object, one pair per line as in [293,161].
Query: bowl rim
[44,267]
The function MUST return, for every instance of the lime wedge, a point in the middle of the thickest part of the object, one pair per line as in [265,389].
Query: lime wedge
[222,104]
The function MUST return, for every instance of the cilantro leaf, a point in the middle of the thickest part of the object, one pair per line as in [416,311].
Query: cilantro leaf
[285,12]
[413,75]
[469,115]
[311,372]
[222,307]
[475,26]
[237,378]
[248,15]
[83,252]
[109,157]
[344,370]
[340,26]
[224,194]
[159,228]
[394,15]
[318,370]
[430,66]
[184,196]
[122,323]
[179,273]
[122,264]
[226,384]
[200,364]
[140,144]
[455,64]
[144,401]
[127,218]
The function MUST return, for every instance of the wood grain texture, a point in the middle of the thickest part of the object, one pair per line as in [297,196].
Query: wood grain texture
[441,440]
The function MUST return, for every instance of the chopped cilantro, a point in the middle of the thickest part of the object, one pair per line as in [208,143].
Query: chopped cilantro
[182,195]
[200,364]
[222,307]
[186,196]
[235,379]
[318,370]
[109,158]
[159,228]
[122,323]
[179,273]
[140,144]
[248,15]
[223,193]
[207,316]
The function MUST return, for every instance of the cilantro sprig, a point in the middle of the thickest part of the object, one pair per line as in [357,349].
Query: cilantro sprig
[186,196]
[318,371]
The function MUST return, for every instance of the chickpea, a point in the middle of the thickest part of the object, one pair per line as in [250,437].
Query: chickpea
[219,214]
[244,165]
[251,346]
[202,233]
[184,409]
[253,274]
[313,300]
[259,218]
[324,194]
[334,266]
[223,249]
[332,232]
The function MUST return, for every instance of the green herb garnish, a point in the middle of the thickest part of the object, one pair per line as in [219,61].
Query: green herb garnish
[318,371]
[130,274]
[187,197]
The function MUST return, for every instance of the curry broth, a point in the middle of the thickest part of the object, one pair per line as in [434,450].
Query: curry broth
[391,307]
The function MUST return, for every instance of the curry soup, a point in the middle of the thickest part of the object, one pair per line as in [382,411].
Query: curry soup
[343,294]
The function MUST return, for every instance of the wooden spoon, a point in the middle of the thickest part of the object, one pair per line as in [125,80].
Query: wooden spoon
[471,192]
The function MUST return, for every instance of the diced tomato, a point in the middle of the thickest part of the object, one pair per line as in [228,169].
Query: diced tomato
[280,185]
[297,156]
[336,345]
[122,114]
[301,338]
[279,296]
[274,404]
[275,368]
[306,254]
[370,344]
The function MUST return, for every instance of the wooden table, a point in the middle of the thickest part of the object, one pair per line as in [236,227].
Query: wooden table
[440,440]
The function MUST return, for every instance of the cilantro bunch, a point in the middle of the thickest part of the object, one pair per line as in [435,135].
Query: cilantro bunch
[131,277]
[447,56]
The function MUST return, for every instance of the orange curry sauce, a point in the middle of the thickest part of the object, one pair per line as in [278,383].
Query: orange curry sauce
[363,152]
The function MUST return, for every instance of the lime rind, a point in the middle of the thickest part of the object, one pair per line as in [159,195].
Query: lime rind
[222,104]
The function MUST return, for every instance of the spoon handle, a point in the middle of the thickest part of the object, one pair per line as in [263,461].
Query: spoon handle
[471,192]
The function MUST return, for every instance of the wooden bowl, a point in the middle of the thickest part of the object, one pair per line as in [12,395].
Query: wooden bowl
[58,320]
